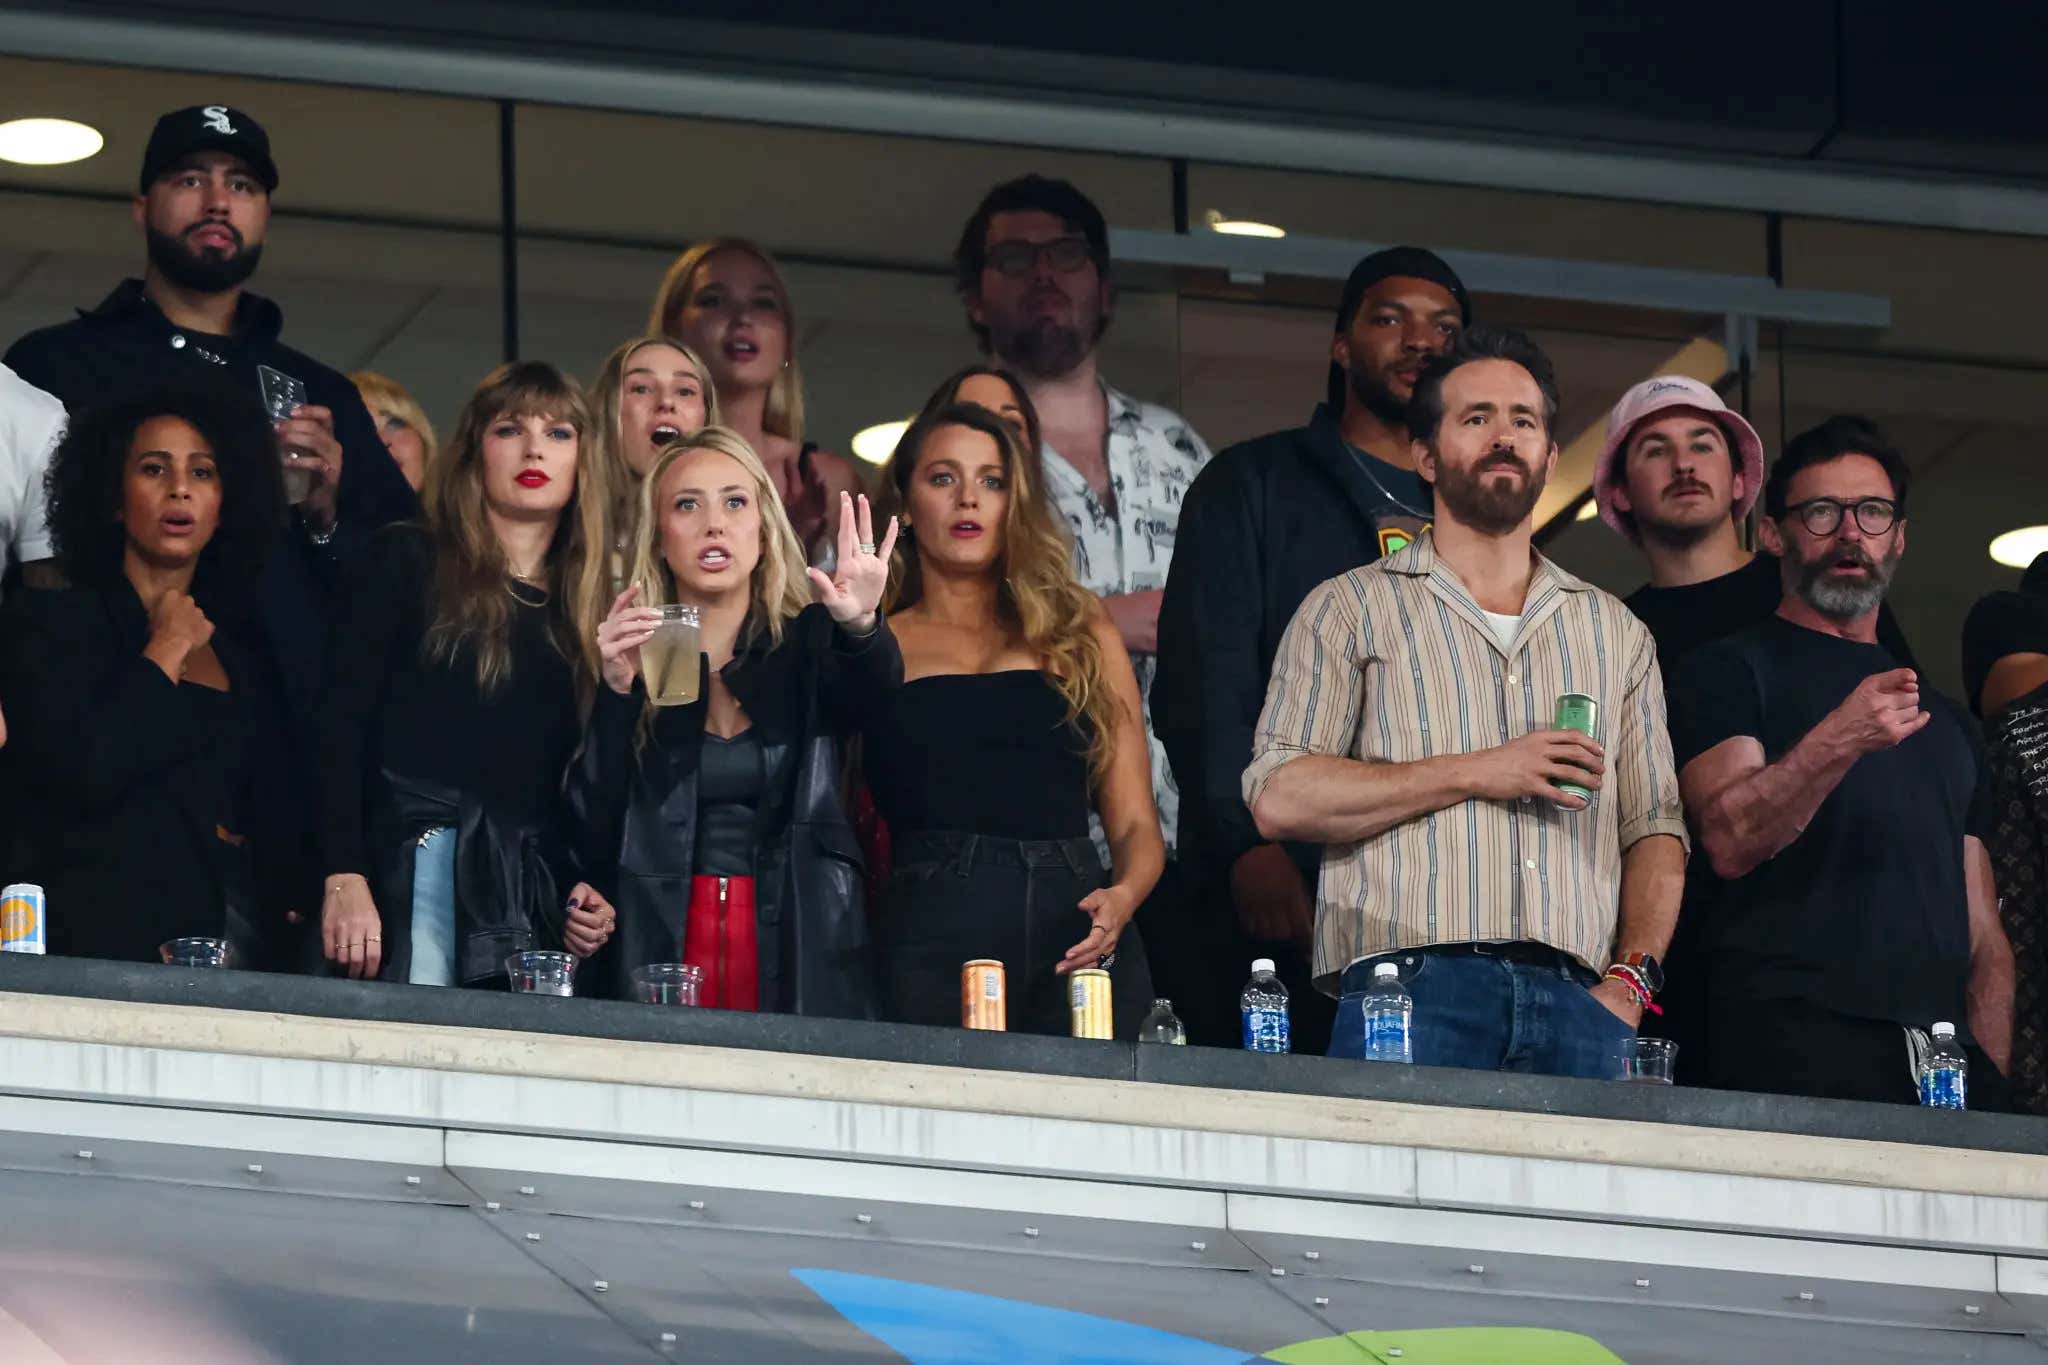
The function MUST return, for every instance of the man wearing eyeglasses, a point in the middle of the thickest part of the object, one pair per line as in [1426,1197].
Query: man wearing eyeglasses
[1033,271]
[1844,807]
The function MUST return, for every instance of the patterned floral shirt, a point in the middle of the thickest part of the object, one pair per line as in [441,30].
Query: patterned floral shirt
[1153,456]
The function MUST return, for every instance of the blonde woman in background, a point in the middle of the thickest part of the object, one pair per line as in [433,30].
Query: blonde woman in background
[650,392]
[1019,714]
[464,656]
[726,299]
[401,423]
[737,793]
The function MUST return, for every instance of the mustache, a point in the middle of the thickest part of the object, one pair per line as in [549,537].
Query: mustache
[1851,554]
[1502,459]
[1686,486]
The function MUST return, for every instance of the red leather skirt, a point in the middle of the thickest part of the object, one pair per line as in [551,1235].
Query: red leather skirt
[719,941]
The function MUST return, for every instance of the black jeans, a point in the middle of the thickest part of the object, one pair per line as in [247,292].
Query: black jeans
[1791,1047]
[956,897]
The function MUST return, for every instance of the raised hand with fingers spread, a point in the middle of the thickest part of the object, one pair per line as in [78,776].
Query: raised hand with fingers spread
[854,592]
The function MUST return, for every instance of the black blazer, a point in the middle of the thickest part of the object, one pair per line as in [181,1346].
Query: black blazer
[635,813]
[135,777]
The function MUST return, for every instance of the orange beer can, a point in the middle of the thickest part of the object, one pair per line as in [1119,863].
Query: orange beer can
[984,995]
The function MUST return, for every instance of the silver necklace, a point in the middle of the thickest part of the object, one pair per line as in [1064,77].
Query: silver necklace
[1364,463]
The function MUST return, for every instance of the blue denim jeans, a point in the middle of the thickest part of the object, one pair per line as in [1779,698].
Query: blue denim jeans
[433,909]
[1489,1014]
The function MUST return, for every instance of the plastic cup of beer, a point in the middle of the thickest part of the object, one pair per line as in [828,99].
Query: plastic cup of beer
[542,973]
[198,952]
[667,983]
[1649,1061]
[669,658]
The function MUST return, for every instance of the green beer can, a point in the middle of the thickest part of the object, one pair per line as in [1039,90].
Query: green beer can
[1577,711]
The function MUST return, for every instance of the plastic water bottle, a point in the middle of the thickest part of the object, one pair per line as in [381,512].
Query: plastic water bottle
[1162,1025]
[1389,1015]
[1945,1072]
[1264,1006]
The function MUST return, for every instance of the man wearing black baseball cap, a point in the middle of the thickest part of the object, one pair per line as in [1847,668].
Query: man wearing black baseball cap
[203,208]
[1265,524]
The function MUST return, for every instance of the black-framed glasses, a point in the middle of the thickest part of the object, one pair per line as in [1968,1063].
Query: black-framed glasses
[1016,259]
[1820,516]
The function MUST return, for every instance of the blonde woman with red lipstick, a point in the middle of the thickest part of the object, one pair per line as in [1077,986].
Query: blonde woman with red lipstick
[719,825]
[726,300]
[462,660]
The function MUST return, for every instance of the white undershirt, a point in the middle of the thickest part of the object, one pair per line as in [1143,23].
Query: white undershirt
[1504,628]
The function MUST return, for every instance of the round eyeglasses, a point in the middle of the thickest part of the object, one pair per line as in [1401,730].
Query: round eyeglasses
[1821,516]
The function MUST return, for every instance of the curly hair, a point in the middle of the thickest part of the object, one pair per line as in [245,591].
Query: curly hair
[84,483]
[1036,592]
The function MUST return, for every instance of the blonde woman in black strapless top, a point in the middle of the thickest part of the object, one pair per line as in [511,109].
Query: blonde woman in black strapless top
[1019,714]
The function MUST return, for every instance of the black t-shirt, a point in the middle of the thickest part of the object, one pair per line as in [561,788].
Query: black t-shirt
[1864,913]
[1684,618]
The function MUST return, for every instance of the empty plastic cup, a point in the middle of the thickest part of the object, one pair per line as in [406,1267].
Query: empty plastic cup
[198,952]
[667,983]
[1649,1060]
[542,973]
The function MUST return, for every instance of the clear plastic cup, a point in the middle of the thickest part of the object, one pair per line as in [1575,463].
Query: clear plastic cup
[542,973]
[669,658]
[667,983]
[1649,1061]
[198,952]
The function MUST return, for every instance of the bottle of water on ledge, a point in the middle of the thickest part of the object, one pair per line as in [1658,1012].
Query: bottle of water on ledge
[1945,1071]
[1162,1025]
[1389,1014]
[1264,1005]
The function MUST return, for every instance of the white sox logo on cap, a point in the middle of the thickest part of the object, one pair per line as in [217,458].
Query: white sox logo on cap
[216,116]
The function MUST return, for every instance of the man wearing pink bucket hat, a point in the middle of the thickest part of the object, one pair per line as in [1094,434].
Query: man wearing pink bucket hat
[1677,476]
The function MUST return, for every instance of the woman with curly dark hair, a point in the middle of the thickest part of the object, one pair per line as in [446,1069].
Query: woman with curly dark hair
[135,706]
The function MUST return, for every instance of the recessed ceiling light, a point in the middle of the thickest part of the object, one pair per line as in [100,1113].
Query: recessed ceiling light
[877,443]
[1589,510]
[2017,549]
[48,141]
[1240,227]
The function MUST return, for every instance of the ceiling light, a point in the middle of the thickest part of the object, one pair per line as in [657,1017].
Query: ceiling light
[1587,510]
[48,141]
[877,443]
[1241,227]
[2016,549]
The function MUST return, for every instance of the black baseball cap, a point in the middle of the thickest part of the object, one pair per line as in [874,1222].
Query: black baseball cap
[208,128]
[1411,262]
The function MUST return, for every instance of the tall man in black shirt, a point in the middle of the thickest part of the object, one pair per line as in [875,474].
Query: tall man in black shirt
[203,209]
[1264,524]
[1844,807]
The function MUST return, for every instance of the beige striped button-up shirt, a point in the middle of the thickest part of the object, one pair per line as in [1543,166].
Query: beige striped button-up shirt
[1395,662]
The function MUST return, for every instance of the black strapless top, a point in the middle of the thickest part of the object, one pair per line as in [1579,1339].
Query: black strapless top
[980,753]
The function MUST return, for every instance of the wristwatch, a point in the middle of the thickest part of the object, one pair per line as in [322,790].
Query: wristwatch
[1649,968]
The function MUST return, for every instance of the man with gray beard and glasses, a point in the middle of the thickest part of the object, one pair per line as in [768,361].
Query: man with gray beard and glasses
[1844,807]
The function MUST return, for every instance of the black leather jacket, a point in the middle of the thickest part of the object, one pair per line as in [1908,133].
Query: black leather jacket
[633,807]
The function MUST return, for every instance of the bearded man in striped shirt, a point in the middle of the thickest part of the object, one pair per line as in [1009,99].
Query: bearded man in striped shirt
[1408,728]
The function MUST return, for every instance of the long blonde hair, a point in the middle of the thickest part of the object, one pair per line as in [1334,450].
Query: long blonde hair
[609,444]
[778,588]
[784,414]
[1036,591]
[472,604]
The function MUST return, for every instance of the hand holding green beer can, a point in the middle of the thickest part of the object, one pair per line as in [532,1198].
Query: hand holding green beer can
[1577,711]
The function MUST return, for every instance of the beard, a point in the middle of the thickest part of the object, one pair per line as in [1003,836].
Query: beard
[1379,400]
[205,272]
[1474,501]
[1846,601]
[1045,347]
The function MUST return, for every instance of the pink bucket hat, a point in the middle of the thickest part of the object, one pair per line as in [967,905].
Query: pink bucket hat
[1659,395]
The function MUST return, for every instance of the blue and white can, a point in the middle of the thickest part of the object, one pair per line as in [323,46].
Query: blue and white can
[23,919]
